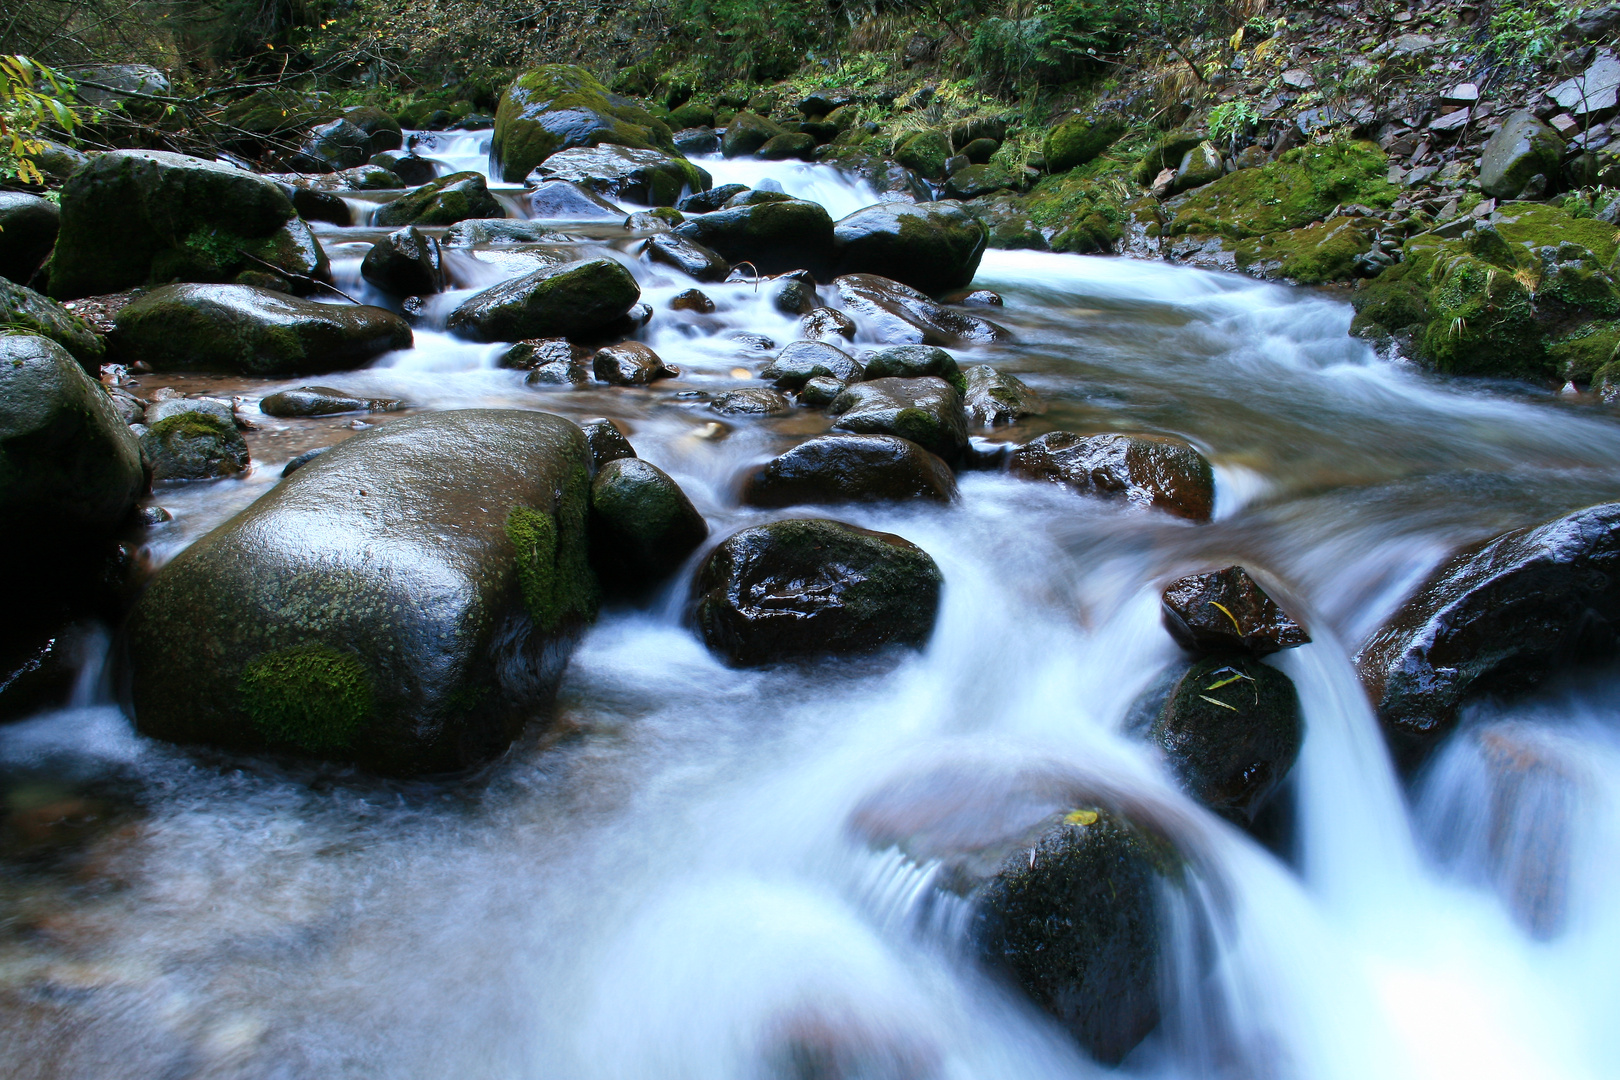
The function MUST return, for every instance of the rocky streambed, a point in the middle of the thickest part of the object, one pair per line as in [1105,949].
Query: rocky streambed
[780,638]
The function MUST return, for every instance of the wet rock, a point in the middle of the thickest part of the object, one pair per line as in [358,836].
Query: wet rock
[1064,888]
[979,151]
[218,408]
[697,141]
[534,353]
[706,202]
[925,154]
[630,363]
[805,360]
[1227,611]
[1300,187]
[58,161]
[406,165]
[562,201]
[1157,471]
[130,216]
[913,362]
[794,295]
[820,391]
[688,256]
[406,601]
[752,401]
[606,442]
[499,232]
[1495,619]
[28,227]
[762,194]
[1523,147]
[26,311]
[1230,729]
[993,398]
[928,411]
[805,589]
[557,301]
[836,469]
[333,146]
[251,331]
[1199,166]
[933,247]
[322,401]
[296,463]
[774,236]
[826,324]
[747,133]
[643,222]
[444,201]
[405,263]
[897,314]
[1079,139]
[692,300]
[1008,222]
[643,527]
[556,107]
[978,181]
[788,146]
[193,445]
[383,131]
[314,204]
[646,177]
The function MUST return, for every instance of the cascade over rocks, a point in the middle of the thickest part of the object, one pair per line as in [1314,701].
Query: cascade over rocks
[406,600]
[405,263]
[134,217]
[993,398]
[1495,619]
[1157,471]
[555,301]
[802,361]
[927,410]
[931,246]
[777,236]
[897,314]
[556,107]
[28,226]
[250,331]
[1227,611]
[835,469]
[647,177]
[801,590]
[444,201]
[22,310]
[643,527]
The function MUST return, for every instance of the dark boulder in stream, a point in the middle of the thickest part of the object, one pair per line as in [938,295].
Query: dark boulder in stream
[913,362]
[897,314]
[688,256]
[557,106]
[132,217]
[851,468]
[801,590]
[777,236]
[561,200]
[934,247]
[405,263]
[1495,619]
[752,401]
[574,298]
[993,398]
[607,443]
[1227,611]
[407,600]
[642,525]
[1157,471]
[805,360]
[193,444]
[322,401]
[22,310]
[28,226]
[645,177]
[250,331]
[704,202]
[630,363]
[927,411]
[444,201]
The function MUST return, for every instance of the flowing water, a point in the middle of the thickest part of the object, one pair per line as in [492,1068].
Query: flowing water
[665,883]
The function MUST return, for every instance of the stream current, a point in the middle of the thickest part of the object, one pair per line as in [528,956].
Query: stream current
[664,884]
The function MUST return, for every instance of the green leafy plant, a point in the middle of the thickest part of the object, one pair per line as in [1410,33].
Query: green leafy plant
[1231,120]
[32,98]
[1525,33]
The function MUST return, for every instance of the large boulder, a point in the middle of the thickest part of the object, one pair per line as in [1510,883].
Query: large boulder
[558,106]
[134,217]
[802,361]
[22,310]
[927,410]
[445,201]
[835,469]
[807,589]
[556,301]
[647,177]
[28,226]
[1227,611]
[1495,619]
[382,131]
[406,600]
[777,236]
[560,200]
[913,362]
[993,398]
[405,263]
[334,146]
[1079,138]
[1147,471]
[245,330]
[925,154]
[934,246]
[747,133]
[1522,148]
[643,526]
[897,314]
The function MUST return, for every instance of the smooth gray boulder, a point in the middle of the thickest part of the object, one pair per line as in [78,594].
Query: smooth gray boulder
[1522,148]
[934,247]
[555,301]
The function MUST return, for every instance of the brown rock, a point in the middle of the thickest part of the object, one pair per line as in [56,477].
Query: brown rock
[1227,610]
[1157,471]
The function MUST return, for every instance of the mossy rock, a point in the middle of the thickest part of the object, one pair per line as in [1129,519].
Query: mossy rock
[1577,357]
[1079,139]
[1313,255]
[1302,186]
[925,154]
[193,446]
[643,527]
[557,301]
[690,115]
[973,181]
[646,177]
[746,133]
[406,600]
[22,310]
[789,234]
[1083,210]
[558,106]
[447,200]
[1166,153]
[278,112]
[934,246]
[1483,322]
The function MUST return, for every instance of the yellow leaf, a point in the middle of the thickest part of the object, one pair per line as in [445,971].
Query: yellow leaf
[1237,39]
[1080,817]
[1222,704]
[1228,614]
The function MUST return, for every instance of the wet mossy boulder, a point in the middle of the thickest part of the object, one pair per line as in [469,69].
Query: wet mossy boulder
[706,202]
[913,362]
[1312,255]
[1079,139]
[245,330]
[802,361]
[1522,149]
[606,442]
[383,131]
[1146,471]
[445,201]
[825,324]
[746,133]
[1199,166]
[22,310]
[926,410]
[645,177]
[896,314]
[1302,186]
[992,398]
[1495,619]
[136,217]
[1007,223]
[28,226]
[405,263]
[976,181]
[406,601]
[925,154]
[643,527]
[807,589]
[556,301]
[1166,153]
[788,234]
[193,445]
[836,469]
[558,106]
[788,146]
[334,146]
[752,401]
[933,247]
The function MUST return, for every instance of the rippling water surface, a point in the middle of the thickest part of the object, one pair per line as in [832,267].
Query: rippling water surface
[665,884]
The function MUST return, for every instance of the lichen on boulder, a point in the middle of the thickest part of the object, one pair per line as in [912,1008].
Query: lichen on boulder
[557,106]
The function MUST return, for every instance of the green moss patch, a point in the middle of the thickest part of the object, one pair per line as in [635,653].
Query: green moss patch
[1302,186]
[1313,255]
[313,697]
[553,572]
